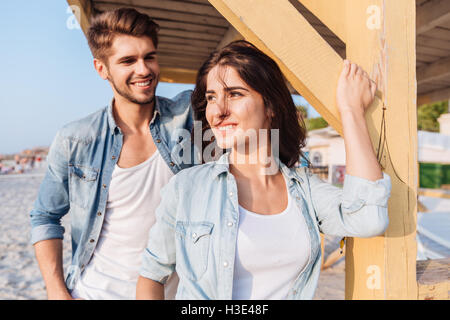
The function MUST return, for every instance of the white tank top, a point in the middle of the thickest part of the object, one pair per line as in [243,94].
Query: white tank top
[134,194]
[271,251]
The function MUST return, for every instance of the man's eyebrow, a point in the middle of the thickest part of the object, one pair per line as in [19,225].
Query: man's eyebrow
[152,53]
[210,91]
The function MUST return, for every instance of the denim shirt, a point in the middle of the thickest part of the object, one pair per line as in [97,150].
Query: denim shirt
[197,225]
[80,165]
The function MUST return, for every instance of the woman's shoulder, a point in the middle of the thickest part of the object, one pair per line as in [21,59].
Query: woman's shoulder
[196,172]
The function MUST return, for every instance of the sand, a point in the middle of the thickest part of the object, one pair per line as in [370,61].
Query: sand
[20,277]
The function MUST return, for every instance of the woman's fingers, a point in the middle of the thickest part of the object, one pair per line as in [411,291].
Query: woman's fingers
[353,69]
[346,69]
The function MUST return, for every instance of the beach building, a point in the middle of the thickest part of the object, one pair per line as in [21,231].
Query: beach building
[400,43]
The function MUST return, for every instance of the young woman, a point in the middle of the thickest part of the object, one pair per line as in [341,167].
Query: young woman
[235,228]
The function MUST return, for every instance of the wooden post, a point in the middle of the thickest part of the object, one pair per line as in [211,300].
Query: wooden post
[380,36]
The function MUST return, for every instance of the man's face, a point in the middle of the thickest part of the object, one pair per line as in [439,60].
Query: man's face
[132,68]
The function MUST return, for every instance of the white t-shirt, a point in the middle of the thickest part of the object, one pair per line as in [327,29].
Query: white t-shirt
[134,194]
[271,251]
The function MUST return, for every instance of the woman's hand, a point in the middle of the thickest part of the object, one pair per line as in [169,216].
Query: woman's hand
[355,90]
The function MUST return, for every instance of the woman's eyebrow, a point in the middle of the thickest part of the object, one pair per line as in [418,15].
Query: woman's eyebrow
[235,88]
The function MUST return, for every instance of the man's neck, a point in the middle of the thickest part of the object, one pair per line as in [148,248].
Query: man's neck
[132,117]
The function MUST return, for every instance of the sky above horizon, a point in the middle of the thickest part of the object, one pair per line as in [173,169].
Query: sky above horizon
[47,75]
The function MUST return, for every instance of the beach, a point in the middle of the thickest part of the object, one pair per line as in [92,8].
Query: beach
[20,278]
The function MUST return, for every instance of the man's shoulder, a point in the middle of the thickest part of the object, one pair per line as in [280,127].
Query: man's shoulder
[85,128]
[177,105]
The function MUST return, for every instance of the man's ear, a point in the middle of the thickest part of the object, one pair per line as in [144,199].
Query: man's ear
[100,66]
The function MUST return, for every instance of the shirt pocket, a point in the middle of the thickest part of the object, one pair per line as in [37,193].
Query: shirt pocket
[192,248]
[82,181]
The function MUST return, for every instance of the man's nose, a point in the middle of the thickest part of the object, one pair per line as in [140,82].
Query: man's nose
[142,68]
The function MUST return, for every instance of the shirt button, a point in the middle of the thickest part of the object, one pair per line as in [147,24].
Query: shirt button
[104,186]
[172,164]
[99,213]
[92,241]
[158,140]
[82,266]
[230,224]
[194,235]
[225,264]
[231,194]
[113,157]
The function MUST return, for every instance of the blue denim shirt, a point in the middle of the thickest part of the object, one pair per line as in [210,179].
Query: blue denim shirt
[197,225]
[80,164]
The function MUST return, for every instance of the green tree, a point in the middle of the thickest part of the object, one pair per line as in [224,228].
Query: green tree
[427,115]
[311,123]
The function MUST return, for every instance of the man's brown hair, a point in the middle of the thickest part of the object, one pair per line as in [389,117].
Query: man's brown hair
[127,21]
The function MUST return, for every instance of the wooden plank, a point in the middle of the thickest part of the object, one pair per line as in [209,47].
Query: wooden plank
[189,35]
[307,61]
[231,35]
[183,48]
[435,71]
[426,57]
[432,42]
[433,279]
[432,14]
[85,12]
[191,27]
[177,75]
[189,42]
[169,5]
[169,15]
[384,267]
[434,96]
[330,12]
[439,53]
[438,33]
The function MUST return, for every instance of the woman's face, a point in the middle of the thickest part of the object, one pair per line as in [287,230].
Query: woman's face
[234,110]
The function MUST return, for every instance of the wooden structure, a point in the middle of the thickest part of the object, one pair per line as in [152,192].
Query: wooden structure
[309,39]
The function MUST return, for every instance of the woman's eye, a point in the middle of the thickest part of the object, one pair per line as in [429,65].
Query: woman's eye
[210,98]
[235,94]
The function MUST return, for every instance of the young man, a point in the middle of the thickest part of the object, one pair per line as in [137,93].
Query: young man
[108,168]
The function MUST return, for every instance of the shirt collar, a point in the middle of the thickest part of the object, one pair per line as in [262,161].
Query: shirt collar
[112,123]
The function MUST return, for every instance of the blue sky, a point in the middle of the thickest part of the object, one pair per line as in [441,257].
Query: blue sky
[47,77]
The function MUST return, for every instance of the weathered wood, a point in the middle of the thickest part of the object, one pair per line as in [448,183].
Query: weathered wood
[307,61]
[433,96]
[330,12]
[85,10]
[432,42]
[432,14]
[190,42]
[170,5]
[189,35]
[169,15]
[186,26]
[183,48]
[433,279]
[383,267]
[231,35]
[177,75]
[436,70]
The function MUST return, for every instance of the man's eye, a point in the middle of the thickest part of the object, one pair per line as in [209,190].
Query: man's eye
[127,61]
[150,58]
[210,98]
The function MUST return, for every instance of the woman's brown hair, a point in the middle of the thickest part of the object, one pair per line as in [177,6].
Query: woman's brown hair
[264,76]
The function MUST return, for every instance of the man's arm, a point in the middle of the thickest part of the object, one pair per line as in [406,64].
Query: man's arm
[148,289]
[47,233]
[49,256]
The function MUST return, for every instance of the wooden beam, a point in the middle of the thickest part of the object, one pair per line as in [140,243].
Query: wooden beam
[330,12]
[435,71]
[432,14]
[168,15]
[305,58]
[189,35]
[186,26]
[434,96]
[384,267]
[177,75]
[433,279]
[231,35]
[84,8]
[169,5]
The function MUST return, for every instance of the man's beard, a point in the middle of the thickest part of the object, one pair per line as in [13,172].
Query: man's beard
[130,97]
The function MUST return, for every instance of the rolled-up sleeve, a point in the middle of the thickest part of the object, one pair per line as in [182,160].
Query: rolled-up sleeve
[52,202]
[158,259]
[359,209]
